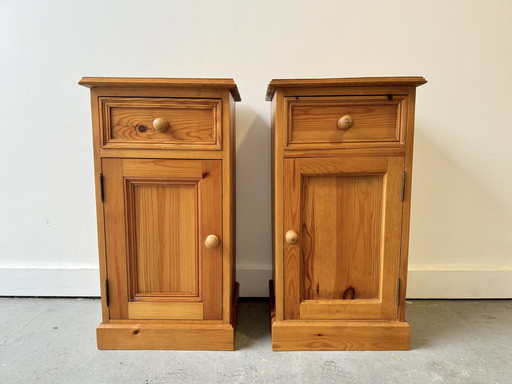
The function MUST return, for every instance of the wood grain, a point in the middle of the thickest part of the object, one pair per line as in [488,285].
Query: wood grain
[128,122]
[230,287]
[105,311]
[292,264]
[166,336]
[346,166]
[314,120]
[342,225]
[210,222]
[135,220]
[158,168]
[168,207]
[165,233]
[383,82]
[356,309]
[139,84]
[407,203]
[115,238]
[348,211]
[165,310]
[278,228]
[162,153]
[337,336]
[327,172]
[344,152]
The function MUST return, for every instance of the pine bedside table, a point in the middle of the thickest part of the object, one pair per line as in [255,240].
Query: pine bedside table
[164,164]
[342,158]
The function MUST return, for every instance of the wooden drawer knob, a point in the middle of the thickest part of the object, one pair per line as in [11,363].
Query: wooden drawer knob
[211,242]
[345,122]
[160,125]
[291,237]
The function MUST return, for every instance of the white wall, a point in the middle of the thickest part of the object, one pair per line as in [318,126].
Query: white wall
[461,234]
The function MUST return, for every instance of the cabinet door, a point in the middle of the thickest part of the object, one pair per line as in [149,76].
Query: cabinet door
[347,213]
[158,214]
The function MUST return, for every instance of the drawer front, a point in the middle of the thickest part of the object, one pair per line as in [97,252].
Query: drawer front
[160,123]
[345,121]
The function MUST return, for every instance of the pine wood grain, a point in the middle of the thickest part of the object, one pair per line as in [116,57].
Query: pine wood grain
[166,336]
[292,260]
[353,309]
[345,152]
[164,226]
[314,120]
[347,239]
[163,152]
[229,286]
[210,222]
[169,206]
[278,134]
[342,235]
[158,168]
[128,123]
[137,174]
[346,335]
[343,82]
[141,83]
[327,172]
[407,204]
[115,238]
[105,311]
[165,310]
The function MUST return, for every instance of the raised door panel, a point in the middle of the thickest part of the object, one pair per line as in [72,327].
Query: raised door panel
[163,221]
[157,215]
[347,212]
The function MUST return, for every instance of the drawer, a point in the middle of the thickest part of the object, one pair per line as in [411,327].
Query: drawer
[345,121]
[166,123]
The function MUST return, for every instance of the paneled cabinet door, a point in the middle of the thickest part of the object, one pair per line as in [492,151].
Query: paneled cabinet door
[342,225]
[158,215]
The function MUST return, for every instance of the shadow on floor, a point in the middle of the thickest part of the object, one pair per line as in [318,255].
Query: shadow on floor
[253,322]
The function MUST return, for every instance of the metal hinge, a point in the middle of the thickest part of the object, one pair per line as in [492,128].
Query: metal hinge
[398,293]
[107,294]
[403,185]
[102,190]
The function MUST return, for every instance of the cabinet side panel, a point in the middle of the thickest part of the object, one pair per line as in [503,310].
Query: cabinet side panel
[278,137]
[228,204]
[96,126]
[411,101]
[115,233]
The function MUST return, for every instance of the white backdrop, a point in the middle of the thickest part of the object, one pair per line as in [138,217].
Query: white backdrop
[461,233]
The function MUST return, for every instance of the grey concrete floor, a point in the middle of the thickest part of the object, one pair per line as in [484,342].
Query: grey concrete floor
[53,341]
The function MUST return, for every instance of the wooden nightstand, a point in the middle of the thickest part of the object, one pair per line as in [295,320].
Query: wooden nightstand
[164,163]
[342,159]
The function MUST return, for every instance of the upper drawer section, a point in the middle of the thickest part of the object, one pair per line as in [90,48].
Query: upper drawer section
[345,121]
[165,123]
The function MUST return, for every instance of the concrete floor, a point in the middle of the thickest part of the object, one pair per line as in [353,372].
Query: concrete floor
[53,341]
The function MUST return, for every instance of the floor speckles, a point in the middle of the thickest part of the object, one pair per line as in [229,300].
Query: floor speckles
[53,341]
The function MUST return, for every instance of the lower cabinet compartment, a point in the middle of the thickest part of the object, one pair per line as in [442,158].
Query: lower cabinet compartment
[337,335]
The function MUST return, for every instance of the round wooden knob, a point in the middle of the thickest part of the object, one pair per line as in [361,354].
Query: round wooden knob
[345,122]
[291,237]
[211,242]
[160,125]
